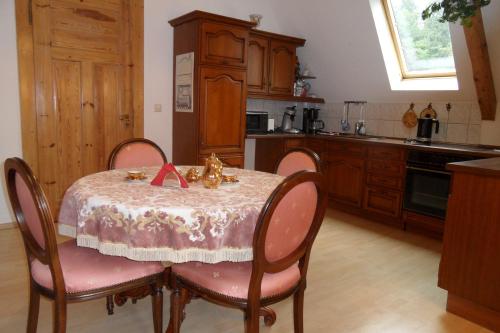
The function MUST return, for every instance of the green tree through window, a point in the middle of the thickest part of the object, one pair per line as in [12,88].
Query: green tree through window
[424,46]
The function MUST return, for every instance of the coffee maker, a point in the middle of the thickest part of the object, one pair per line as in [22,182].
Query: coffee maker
[310,122]
[424,132]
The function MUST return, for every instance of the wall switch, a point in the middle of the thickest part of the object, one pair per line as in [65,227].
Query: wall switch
[157,107]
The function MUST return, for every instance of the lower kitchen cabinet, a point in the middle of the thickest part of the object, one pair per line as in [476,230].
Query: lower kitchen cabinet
[383,201]
[345,176]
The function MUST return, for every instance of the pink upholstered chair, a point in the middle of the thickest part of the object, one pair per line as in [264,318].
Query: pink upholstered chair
[134,153]
[284,235]
[67,273]
[298,159]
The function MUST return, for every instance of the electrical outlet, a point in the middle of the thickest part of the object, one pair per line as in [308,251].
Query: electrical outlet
[157,107]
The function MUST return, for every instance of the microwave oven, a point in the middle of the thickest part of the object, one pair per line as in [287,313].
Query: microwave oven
[256,122]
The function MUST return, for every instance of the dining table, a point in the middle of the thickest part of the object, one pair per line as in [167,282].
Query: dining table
[137,220]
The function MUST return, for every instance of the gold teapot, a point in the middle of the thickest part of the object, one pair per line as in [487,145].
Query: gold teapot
[212,174]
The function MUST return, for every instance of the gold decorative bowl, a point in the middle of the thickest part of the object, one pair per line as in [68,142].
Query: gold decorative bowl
[135,175]
[192,175]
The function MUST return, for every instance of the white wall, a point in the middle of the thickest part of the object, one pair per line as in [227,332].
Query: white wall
[10,125]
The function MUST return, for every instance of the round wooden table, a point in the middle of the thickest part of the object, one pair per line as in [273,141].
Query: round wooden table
[142,222]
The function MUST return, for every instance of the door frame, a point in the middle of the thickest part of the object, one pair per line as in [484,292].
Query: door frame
[26,70]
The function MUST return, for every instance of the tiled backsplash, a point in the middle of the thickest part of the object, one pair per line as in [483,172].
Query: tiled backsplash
[461,125]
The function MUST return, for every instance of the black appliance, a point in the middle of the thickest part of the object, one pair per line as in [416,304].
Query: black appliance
[424,133]
[256,122]
[310,122]
[428,182]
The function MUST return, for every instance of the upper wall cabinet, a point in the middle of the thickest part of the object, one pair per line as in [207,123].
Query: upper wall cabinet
[258,62]
[222,44]
[282,68]
[271,64]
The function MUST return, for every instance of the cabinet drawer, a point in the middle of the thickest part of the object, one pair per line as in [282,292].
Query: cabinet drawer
[385,181]
[229,161]
[223,45]
[386,153]
[386,167]
[382,201]
[293,143]
[346,148]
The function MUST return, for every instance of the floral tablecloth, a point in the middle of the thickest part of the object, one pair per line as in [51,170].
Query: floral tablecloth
[133,219]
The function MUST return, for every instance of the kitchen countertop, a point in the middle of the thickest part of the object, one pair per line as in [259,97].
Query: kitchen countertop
[490,167]
[477,150]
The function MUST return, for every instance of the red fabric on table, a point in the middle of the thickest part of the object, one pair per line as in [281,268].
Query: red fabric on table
[164,172]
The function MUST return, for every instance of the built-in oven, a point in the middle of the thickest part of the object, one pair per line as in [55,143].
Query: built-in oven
[256,122]
[428,182]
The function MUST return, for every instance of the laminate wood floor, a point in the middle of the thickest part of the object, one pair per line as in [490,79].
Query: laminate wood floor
[363,277]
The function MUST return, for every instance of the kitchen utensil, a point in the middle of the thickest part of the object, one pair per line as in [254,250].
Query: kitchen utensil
[428,112]
[288,118]
[344,122]
[410,118]
[360,126]
[424,132]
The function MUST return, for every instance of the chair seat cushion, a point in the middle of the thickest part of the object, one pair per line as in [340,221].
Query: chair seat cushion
[86,269]
[232,279]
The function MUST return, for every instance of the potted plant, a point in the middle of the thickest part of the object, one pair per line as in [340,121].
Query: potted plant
[454,10]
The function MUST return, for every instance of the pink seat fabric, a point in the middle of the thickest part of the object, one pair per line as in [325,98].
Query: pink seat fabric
[138,154]
[86,269]
[294,162]
[233,279]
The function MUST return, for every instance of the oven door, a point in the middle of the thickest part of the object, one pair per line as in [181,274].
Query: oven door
[426,191]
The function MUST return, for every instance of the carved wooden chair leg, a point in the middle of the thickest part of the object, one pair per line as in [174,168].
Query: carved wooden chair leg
[269,316]
[59,315]
[179,297]
[157,304]
[252,319]
[33,311]
[110,304]
[298,311]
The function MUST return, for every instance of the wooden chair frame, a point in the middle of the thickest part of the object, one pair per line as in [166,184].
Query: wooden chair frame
[49,256]
[183,290]
[307,151]
[121,145]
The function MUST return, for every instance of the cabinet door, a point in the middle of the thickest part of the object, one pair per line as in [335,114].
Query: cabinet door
[345,179]
[222,110]
[267,153]
[223,45]
[258,58]
[282,68]
[383,201]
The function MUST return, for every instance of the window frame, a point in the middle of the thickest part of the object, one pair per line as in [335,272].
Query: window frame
[398,48]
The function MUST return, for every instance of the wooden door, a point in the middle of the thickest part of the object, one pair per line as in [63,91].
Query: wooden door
[258,59]
[223,44]
[82,62]
[222,110]
[345,179]
[282,68]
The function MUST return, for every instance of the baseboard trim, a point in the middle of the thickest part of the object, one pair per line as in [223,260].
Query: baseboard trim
[474,312]
[9,225]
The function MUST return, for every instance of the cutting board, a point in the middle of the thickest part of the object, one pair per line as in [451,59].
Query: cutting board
[410,119]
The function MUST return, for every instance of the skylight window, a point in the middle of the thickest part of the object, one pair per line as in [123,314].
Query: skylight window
[423,47]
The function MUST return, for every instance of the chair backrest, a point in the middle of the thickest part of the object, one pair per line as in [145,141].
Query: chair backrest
[135,153]
[33,216]
[298,159]
[287,226]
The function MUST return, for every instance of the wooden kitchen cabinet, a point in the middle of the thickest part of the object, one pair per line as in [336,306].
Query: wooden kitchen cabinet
[383,201]
[282,64]
[217,121]
[222,110]
[269,151]
[345,176]
[271,64]
[258,64]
